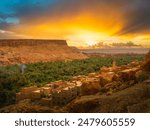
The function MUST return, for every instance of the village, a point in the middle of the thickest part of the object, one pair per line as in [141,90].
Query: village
[106,81]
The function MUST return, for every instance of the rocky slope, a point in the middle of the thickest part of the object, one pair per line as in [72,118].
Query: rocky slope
[133,95]
[136,98]
[30,51]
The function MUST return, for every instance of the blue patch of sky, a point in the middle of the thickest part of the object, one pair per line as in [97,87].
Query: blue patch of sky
[7,4]
[8,8]
[1,20]
[12,20]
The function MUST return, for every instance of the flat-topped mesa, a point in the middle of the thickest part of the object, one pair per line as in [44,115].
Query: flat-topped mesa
[30,42]
[24,51]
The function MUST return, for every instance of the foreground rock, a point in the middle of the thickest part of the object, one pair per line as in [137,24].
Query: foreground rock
[133,99]
[27,106]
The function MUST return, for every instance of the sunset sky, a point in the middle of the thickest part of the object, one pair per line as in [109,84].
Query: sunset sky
[77,21]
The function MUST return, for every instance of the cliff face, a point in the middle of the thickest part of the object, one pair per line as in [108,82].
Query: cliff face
[31,42]
[30,51]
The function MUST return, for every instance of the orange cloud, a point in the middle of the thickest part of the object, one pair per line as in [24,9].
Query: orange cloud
[85,21]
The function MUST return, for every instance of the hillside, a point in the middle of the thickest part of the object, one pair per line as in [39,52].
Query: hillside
[132,95]
[31,51]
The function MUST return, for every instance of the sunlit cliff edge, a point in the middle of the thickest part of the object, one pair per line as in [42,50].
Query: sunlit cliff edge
[19,51]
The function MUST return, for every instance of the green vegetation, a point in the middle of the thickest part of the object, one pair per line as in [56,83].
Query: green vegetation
[11,78]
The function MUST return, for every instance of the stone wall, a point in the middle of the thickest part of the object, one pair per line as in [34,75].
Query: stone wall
[50,96]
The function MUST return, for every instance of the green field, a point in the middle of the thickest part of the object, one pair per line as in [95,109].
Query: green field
[11,78]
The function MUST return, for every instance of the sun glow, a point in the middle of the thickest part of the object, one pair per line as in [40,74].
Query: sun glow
[85,28]
[91,38]
[87,37]
[82,30]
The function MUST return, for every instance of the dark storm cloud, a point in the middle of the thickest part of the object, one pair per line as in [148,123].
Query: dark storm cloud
[137,18]
[61,9]
[136,13]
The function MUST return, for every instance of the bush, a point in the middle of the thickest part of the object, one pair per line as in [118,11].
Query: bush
[7,97]
[42,73]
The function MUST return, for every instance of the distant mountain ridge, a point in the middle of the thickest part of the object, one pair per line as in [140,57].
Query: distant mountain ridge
[24,51]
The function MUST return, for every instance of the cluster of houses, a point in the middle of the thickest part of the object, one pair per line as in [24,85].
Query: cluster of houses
[54,94]
[60,92]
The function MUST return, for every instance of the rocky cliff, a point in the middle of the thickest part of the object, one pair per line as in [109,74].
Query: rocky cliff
[30,42]
[33,50]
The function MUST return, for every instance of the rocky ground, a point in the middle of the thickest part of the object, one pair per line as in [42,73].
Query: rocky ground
[114,89]
[133,99]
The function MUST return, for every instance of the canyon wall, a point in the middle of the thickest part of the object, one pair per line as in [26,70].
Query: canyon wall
[30,42]
[23,51]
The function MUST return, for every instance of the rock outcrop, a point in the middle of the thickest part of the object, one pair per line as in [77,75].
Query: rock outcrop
[146,65]
[133,99]
[31,51]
